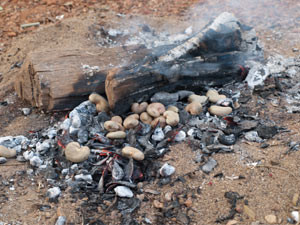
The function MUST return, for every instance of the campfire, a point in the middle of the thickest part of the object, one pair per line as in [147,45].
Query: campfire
[131,115]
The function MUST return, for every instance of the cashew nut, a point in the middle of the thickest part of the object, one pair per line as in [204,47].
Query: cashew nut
[139,108]
[75,153]
[156,109]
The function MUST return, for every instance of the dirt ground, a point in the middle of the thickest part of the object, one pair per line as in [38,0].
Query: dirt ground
[268,190]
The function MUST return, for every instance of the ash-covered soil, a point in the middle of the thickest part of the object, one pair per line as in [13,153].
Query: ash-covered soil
[193,197]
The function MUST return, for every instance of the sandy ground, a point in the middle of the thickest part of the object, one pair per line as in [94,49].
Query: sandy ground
[267,190]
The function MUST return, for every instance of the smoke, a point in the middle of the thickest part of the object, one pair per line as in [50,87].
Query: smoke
[261,14]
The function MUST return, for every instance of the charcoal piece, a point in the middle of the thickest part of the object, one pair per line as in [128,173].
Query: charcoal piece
[264,145]
[184,117]
[227,139]
[143,129]
[164,181]
[267,132]
[117,171]
[3,160]
[165,98]
[131,138]
[184,94]
[83,136]
[183,218]
[127,206]
[102,117]
[232,199]
[44,207]
[209,165]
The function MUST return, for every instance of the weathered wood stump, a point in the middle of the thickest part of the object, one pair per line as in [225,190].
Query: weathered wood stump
[62,78]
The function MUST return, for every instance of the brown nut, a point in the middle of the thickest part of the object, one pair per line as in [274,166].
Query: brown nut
[112,126]
[156,109]
[197,98]
[134,153]
[95,98]
[219,110]
[101,103]
[172,118]
[139,108]
[146,118]
[173,108]
[213,96]
[194,108]
[7,152]
[75,153]
[130,122]
[161,120]
[134,116]
[116,135]
[117,119]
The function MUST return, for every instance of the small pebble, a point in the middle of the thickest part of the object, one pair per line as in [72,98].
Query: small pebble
[61,220]
[87,177]
[188,203]
[53,193]
[158,134]
[26,111]
[295,216]
[167,170]
[157,204]
[36,161]
[123,191]
[209,165]
[253,136]
[180,136]
[3,160]
[271,219]
[295,199]
[232,222]
[168,196]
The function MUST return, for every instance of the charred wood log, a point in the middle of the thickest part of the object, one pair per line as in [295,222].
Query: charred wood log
[212,57]
[62,78]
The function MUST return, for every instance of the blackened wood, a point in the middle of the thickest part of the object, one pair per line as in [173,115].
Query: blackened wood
[60,79]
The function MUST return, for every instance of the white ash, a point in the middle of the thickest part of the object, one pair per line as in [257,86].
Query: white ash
[253,136]
[43,147]
[166,170]
[36,161]
[123,191]
[158,134]
[53,193]
[180,136]
[90,70]
[50,133]
[81,177]
[191,132]
[295,216]
[209,165]
[12,142]
[167,129]
[28,155]
[61,220]
[26,111]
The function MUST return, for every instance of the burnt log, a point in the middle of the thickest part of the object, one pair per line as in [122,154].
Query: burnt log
[213,57]
[60,79]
